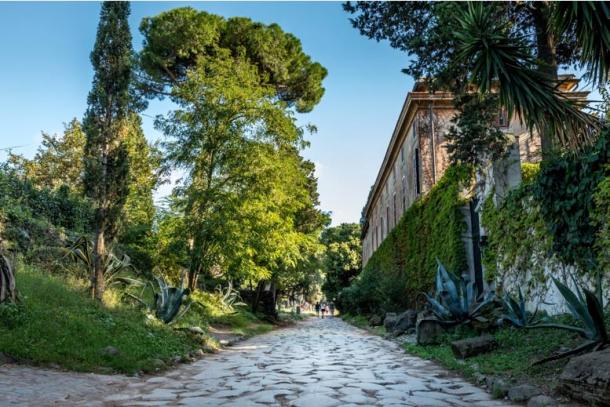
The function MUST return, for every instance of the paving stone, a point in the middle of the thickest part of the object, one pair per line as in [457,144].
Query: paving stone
[317,363]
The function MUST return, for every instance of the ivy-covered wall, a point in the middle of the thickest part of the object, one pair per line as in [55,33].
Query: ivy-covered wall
[557,217]
[404,265]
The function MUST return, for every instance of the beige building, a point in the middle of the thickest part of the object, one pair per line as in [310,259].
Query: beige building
[416,158]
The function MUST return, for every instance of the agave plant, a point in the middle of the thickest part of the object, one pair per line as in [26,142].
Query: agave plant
[169,303]
[81,250]
[8,293]
[456,299]
[586,307]
[229,297]
[515,312]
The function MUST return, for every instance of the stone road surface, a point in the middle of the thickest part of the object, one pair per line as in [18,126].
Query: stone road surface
[317,363]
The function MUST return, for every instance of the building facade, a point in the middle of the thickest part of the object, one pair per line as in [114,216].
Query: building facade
[416,158]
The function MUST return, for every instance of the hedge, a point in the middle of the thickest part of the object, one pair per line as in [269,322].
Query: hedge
[404,265]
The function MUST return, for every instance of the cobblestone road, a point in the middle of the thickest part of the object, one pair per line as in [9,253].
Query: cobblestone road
[317,363]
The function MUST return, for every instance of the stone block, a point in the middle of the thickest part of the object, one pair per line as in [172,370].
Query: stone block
[587,378]
[523,392]
[429,332]
[468,347]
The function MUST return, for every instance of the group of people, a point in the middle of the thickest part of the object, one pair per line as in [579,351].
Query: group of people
[322,308]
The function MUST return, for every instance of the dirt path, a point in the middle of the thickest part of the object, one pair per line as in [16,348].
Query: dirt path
[317,363]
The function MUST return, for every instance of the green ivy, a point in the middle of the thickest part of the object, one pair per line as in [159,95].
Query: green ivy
[404,265]
[565,190]
[560,211]
[518,243]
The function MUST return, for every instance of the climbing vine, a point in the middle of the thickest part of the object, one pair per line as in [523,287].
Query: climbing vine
[565,190]
[518,244]
[404,264]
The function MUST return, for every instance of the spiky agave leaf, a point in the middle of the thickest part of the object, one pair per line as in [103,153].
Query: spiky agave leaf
[497,59]
[596,311]
[577,307]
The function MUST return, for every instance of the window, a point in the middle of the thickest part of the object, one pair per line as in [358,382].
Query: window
[387,216]
[414,128]
[394,209]
[502,118]
[417,180]
[402,155]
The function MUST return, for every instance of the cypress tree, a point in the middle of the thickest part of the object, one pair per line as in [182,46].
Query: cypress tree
[109,102]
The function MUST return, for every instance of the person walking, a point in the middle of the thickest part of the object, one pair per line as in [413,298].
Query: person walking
[331,309]
[318,308]
[323,309]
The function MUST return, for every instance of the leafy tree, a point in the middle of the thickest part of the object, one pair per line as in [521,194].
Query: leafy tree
[518,44]
[177,40]
[109,103]
[471,139]
[58,161]
[236,84]
[342,257]
[144,176]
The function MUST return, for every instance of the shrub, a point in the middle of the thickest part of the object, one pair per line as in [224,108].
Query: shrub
[403,266]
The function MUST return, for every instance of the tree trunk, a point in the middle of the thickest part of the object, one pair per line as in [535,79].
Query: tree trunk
[99,251]
[193,276]
[547,61]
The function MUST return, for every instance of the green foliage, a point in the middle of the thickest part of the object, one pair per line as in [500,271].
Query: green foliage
[499,61]
[565,192]
[33,218]
[8,292]
[65,327]
[511,49]
[248,201]
[169,300]
[512,359]
[515,311]
[456,300]
[105,123]
[136,236]
[116,270]
[474,137]
[58,161]
[176,41]
[589,22]
[403,266]
[588,310]
[518,243]
[342,257]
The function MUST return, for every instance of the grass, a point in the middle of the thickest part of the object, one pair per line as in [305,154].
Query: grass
[362,322]
[58,324]
[517,350]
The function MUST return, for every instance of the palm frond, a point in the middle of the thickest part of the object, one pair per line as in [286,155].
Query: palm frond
[500,62]
[590,21]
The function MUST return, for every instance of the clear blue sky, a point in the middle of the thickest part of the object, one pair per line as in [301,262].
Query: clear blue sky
[45,76]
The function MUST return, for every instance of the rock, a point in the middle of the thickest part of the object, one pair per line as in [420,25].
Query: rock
[587,378]
[523,392]
[404,322]
[196,330]
[542,401]
[375,320]
[389,321]
[110,351]
[498,387]
[157,364]
[198,353]
[429,332]
[468,347]
[5,358]
[480,378]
